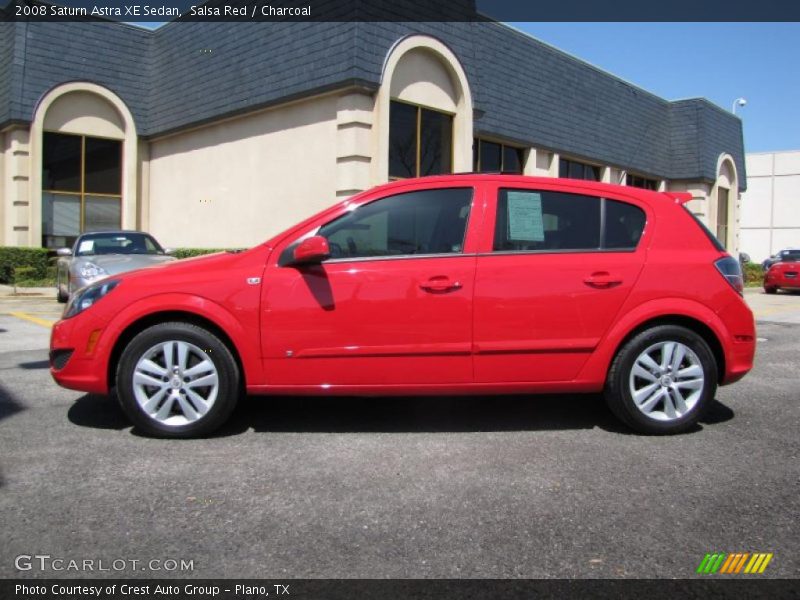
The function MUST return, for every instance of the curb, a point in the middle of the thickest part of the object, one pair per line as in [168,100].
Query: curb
[25,292]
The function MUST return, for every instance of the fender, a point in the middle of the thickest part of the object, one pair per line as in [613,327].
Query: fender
[246,343]
[596,368]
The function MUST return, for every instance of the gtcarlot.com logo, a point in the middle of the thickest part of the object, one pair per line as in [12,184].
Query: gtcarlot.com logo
[724,563]
[46,562]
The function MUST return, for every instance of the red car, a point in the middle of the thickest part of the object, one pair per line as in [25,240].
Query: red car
[459,284]
[784,274]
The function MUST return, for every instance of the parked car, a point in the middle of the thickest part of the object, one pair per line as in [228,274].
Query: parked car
[783,274]
[744,258]
[459,284]
[100,254]
[790,254]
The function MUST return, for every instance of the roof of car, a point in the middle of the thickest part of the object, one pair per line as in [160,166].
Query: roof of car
[597,186]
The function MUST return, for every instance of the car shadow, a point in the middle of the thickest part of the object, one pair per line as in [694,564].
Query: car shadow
[36,364]
[8,405]
[97,412]
[450,414]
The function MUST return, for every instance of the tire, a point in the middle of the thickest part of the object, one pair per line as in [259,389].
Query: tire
[186,356]
[653,379]
[61,297]
[771,290]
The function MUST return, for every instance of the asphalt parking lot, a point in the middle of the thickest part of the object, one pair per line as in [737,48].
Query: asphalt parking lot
[404,487]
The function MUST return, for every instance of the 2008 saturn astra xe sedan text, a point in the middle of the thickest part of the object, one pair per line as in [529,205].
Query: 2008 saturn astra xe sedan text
[457,284]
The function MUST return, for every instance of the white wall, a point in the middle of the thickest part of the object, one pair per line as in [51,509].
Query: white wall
[770,218]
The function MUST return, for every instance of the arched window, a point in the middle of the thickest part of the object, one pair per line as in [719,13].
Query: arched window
[425,111]
[85,163]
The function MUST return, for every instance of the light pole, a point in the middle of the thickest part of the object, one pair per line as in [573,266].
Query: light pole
[738,102]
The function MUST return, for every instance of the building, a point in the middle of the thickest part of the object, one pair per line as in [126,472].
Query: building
[219,134]
[770,218]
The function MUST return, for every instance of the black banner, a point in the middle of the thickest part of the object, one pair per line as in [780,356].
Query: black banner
[394,589]
[399,10]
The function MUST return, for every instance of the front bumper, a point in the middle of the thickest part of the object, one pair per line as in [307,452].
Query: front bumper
[78,358]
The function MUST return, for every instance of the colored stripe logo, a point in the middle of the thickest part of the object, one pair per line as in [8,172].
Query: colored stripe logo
[734,563]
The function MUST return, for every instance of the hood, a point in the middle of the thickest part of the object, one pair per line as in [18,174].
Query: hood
[209,268]
[119,263]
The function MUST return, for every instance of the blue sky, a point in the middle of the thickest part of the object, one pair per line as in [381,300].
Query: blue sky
[718,61]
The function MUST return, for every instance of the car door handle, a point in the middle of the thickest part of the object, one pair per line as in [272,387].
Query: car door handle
[440,284]
[602,280]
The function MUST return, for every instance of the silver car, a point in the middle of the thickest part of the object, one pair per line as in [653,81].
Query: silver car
[100,254]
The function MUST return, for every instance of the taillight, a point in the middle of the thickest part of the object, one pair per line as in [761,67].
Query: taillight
[731,270]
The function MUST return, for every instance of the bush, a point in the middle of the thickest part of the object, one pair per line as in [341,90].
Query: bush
[753,274]
[191,252]
[33,262]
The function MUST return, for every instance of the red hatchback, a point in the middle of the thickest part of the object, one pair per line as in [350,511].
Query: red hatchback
[461,284]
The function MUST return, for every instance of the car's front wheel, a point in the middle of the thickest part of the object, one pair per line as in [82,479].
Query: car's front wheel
[662,380]
[771,290]
[61,295]
[177,380]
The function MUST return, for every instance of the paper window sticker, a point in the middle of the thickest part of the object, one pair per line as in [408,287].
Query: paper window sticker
[525,221]
[86,246]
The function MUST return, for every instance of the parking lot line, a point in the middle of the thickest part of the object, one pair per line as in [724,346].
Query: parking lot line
[26,317]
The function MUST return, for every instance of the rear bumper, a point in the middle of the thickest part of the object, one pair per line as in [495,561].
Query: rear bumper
[780,281]
[740,347]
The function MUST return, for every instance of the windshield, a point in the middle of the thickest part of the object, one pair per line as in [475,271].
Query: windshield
[789,256]
[116,243]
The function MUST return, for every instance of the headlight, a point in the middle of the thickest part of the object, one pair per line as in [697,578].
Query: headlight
[90,270]
[86,297]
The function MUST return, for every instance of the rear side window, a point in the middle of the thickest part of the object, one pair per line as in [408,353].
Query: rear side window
[624,224]
[423,222]
[529,220]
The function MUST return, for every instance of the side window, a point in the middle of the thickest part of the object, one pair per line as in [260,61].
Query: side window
[424,222]
[529,220]
[541,220]
[624,225]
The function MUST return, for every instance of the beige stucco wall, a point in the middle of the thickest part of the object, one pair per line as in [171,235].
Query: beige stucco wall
[15,187]
[238,182]
[84,113]
[699,204]
[420,77]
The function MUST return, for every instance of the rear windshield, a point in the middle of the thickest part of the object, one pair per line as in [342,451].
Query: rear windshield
[711,237]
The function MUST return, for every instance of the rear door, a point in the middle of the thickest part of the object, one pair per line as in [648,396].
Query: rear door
[554,267]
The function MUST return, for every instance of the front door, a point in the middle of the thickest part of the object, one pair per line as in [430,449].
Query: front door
[392,306]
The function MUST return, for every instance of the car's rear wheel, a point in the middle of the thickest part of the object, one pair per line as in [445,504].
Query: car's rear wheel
[771,290]
[177,380]
[662,380]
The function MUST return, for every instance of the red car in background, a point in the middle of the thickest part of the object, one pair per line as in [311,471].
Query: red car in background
[784,274]
[459,284]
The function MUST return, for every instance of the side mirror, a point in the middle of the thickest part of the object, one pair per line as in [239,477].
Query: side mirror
[64,252]
[311,250]
[169,251]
